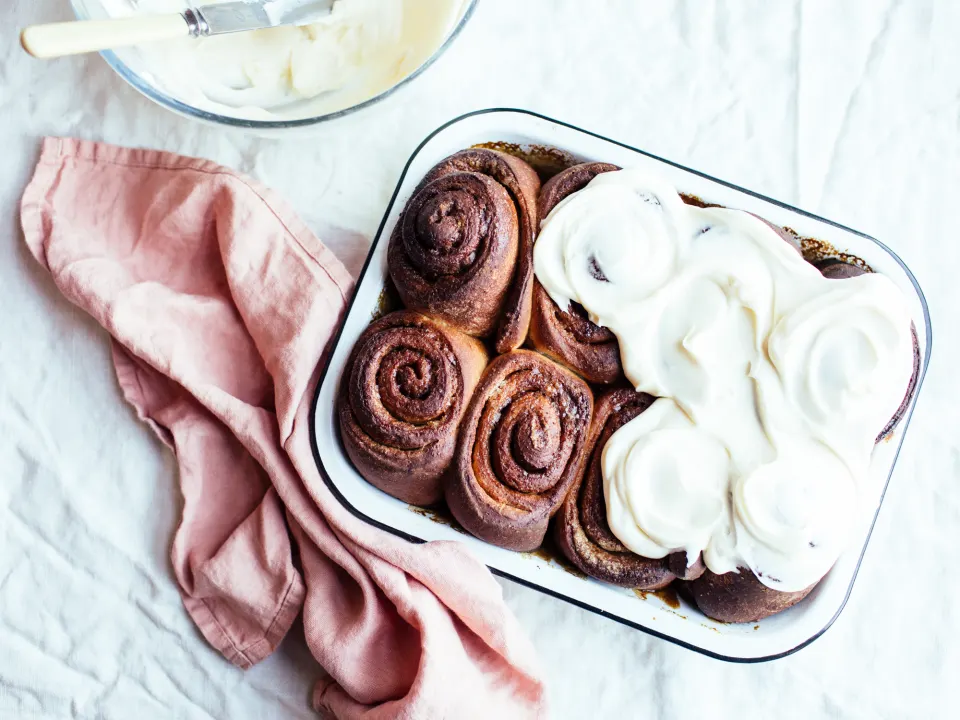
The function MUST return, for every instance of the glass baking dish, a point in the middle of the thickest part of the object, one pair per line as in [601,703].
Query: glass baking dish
[663,615]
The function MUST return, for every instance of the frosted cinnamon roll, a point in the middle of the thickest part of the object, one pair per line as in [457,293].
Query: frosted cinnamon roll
[520,449]
[581,526]
[566,334]
[835,269]
[404,391]
[740,596]
[463,248]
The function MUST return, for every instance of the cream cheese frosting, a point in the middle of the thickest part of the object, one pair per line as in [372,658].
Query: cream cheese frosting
[773,381]
[363,48]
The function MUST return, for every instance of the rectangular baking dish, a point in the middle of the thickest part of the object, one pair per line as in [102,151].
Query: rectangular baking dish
[665,617]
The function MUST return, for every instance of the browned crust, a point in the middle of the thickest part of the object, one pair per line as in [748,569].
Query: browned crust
[567,335]
[520,448]
[440,366]
[581,528]
[740,597]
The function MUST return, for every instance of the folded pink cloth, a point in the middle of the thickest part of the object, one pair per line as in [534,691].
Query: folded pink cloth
[221,303]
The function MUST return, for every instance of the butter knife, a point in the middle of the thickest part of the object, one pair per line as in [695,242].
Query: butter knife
[83,36]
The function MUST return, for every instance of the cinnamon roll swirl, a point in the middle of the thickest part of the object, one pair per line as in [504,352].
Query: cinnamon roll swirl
[520,448]
[566,334]
[463,248]
[404,390]
[581,527]
[836,269]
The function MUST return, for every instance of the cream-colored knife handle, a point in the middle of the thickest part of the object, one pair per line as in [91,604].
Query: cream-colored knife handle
[73,38]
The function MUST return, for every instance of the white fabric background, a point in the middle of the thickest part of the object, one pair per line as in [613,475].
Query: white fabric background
[848,109]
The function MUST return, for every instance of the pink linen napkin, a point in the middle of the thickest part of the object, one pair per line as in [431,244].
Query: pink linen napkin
[220,303]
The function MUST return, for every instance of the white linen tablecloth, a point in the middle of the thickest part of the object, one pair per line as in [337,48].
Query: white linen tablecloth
[848,109]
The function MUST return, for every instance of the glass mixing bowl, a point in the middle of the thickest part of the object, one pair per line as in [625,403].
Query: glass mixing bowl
[129,65]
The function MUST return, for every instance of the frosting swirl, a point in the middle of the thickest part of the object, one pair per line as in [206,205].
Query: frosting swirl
[792,516]
[773,380]
[665,483]
[833,352]
[644,217]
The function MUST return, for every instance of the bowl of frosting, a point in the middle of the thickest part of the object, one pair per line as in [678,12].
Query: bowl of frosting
[287,77]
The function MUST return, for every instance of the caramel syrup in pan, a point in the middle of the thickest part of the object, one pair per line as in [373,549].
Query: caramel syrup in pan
[548,161]
[552,554]
[667,595]
[439,513]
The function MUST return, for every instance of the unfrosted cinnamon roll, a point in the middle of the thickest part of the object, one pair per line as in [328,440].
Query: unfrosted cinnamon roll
[581,527]
[404,390]
[566,334]
[520,448]
[463,248]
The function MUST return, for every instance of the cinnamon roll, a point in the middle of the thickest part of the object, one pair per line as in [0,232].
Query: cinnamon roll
[566,334]
[581,527]
[837,269]
[520,448]
[739,597]
[463,248]
[405,388]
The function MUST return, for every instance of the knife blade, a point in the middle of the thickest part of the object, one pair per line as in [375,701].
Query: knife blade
[240,16]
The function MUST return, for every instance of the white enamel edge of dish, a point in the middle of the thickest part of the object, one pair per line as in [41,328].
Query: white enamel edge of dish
[772,636]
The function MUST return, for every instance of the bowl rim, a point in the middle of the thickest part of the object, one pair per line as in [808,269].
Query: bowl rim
[325,364]
[182,108]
